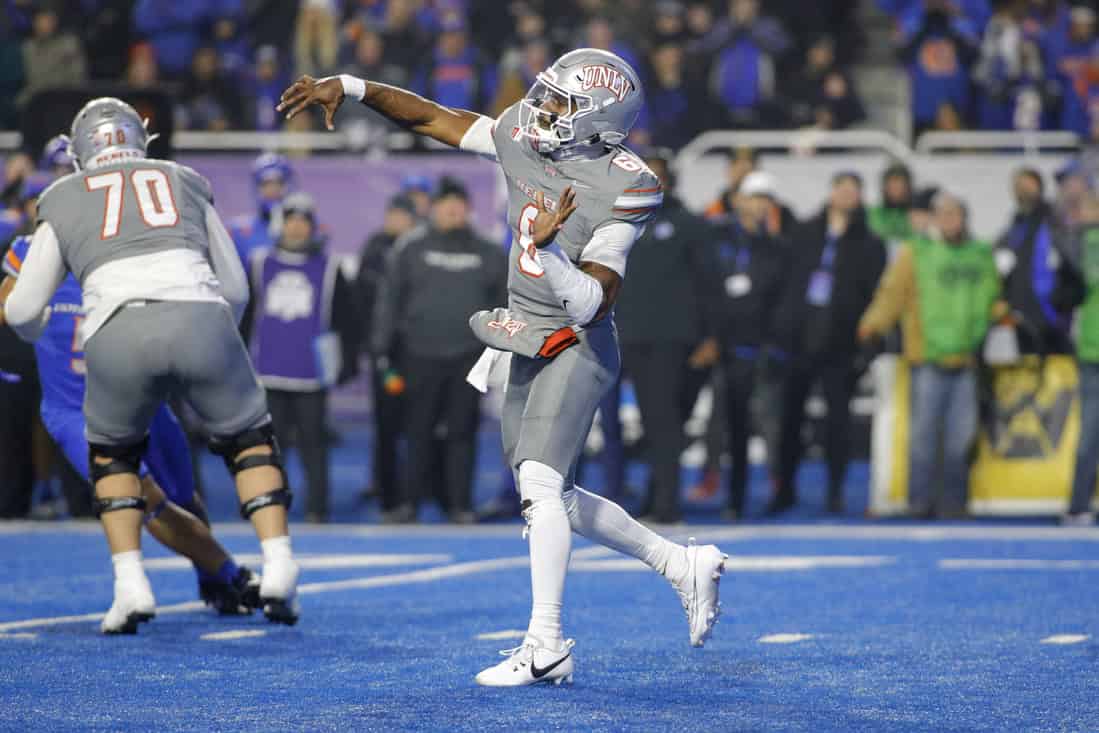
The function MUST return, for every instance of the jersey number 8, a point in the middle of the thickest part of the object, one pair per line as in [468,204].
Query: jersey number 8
[528,256]
[154,198]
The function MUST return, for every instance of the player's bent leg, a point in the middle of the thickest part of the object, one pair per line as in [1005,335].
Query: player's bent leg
[254,459]
[695,572]
[226,587]
[120,506]
[545,655]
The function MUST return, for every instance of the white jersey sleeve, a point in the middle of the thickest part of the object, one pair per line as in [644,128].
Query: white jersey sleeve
[27,308]
[226,263]
[478,138]
[611,243]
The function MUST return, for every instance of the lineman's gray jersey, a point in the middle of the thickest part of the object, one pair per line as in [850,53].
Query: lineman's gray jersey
[126,209]
[615,187]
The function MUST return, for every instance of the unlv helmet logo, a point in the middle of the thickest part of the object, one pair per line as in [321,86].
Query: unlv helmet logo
[606,77]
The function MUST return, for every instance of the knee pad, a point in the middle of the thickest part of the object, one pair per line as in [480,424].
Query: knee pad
[230,449]
[539,486]
[285,497]
[124,459]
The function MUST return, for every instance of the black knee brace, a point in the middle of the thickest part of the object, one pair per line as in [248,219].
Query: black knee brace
[124,459]
[283,496]
[115,503]
[230,449]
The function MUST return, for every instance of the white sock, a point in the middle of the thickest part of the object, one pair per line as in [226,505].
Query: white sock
[550,540]
[276,549]
[605,522]
[128,568]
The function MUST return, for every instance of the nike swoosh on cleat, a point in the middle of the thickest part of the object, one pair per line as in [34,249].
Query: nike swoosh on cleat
[540,673]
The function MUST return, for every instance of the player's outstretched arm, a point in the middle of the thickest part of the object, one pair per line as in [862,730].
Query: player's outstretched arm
[409,110]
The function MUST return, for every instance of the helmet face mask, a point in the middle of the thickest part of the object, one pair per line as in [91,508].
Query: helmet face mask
[585,97]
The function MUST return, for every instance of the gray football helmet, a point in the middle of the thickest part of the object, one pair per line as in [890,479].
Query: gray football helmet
[585,97]
[107,125]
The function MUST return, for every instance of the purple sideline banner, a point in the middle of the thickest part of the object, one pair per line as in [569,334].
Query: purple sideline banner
[351,194]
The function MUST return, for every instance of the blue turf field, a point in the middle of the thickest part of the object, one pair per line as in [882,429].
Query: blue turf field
[905,628]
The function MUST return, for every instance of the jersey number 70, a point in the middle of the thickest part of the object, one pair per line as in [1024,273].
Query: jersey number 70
[154,198]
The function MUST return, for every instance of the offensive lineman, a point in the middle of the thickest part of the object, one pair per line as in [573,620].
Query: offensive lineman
[163,290]
[175,515]
[578,200]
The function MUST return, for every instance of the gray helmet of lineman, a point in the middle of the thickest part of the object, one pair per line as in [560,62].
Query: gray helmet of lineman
[107,125]
[585,97]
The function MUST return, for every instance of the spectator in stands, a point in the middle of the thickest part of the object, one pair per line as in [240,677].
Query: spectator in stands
[1086,261]
[272,178]
[836,263]
[822,95]
[1031,263]
[1009,74]
[672,115]
[919,215]
[51,57]
[517,79]
[303,336]
[142,71]
[1071,57]
[105,31]
[890,218]
[665,312]
[418,188]
[456,75]
[946,290]
[741,162]
[743,76]
[263,89]
[386,383]
[599,33]
[669,23]
[433,280]
[316,41]
[1074,186]
[939,45]
[175,29]
[210,100]
[753,264]
[11,79]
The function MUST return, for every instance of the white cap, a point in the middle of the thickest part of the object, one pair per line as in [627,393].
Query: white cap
[757,183]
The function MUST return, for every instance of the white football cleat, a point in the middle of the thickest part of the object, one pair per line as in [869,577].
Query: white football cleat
[133,604]
[278,592]
[530,664]
[699,589]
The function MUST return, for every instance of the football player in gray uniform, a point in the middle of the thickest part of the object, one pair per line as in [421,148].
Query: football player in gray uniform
[163,291]
[577,202]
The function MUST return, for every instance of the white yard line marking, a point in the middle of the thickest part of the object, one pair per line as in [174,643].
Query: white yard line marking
[314,561]
[784,638]
[1065,639]
[1016,564]
[378,581]
[19,635]
[237,634]
[498,635]
[750,564]
[707,532]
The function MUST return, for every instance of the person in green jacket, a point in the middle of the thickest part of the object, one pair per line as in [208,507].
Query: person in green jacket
[889,220]
[1087,361]
[945,290]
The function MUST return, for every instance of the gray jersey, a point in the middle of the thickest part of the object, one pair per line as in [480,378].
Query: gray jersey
[615,187]
[136,207]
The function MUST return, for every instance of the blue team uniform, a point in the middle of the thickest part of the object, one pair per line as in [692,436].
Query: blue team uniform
[60,358]
[249,233]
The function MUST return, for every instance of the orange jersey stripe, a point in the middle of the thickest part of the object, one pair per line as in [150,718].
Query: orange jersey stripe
[643,190]
[13,260]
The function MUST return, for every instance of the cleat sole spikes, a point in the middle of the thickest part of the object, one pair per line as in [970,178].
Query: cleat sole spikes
[562,681]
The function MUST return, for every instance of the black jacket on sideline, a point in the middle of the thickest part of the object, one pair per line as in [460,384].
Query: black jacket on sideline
[434,281]
[670,293]
[752,271]
[803,329]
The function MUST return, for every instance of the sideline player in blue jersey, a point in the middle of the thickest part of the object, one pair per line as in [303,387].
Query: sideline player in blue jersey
[272,178]
[175,516]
